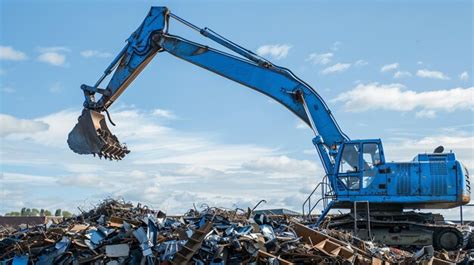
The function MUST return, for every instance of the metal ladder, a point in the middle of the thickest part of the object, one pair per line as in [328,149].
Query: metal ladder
[326,196]
[356,219]
[186,253]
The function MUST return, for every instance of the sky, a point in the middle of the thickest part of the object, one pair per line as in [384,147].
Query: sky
[400,71]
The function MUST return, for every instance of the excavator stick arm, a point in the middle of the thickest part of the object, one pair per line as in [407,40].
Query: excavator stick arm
[91,134]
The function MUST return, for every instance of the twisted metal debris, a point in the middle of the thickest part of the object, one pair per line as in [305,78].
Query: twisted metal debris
[117,232]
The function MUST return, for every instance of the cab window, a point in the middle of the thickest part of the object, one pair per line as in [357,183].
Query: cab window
[349,167]
[371,154]
[370,159]
[349,159]
[350,182]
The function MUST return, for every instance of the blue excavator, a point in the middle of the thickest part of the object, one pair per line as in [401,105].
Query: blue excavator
[357,173]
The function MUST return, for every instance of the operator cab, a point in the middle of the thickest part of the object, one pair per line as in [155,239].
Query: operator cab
[358,163]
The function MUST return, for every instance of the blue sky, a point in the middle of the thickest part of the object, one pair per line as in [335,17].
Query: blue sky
[397,71]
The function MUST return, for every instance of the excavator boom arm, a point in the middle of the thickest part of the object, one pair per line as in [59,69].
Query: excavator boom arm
[251,71]
[271,81]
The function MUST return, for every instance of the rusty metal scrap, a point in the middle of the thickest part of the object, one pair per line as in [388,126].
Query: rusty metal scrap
[117,232]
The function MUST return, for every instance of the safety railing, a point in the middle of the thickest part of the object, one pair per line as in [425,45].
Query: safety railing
[325,195]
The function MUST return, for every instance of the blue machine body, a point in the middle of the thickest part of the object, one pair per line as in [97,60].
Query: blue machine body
[434,180]
[357,169]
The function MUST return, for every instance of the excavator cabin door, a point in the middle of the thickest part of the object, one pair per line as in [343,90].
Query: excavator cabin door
[358,167]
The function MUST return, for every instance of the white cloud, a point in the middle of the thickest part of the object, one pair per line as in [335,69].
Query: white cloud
[277,51]
[174,186]
[361,63]
[59,125]
[9,53]
[53,49]
[12,125]
[309,151]
[430,114]
[37,180]
[54,55]
[339,67]
[389,67]
[82,180]
[401,74]
[95,53]
[464,76]
[424,73]
[450,140]
[461,142]
[395,97]
[193,170]
[221,157]
[335,46]
[50,130]
[162,113]
[281,165]
[323,58]
[199,167]
[177,167]
[53,58]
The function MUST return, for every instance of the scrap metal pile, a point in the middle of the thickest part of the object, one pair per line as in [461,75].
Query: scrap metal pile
[116,232]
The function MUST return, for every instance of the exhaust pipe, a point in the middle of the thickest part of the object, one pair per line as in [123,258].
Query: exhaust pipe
[92,136]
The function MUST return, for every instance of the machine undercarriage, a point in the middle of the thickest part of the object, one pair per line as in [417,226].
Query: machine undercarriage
[403,229]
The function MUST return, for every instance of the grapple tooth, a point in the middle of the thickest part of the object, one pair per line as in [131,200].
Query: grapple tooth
[92,136]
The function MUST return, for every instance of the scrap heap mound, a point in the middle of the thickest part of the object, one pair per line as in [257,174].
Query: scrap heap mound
[116,232]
